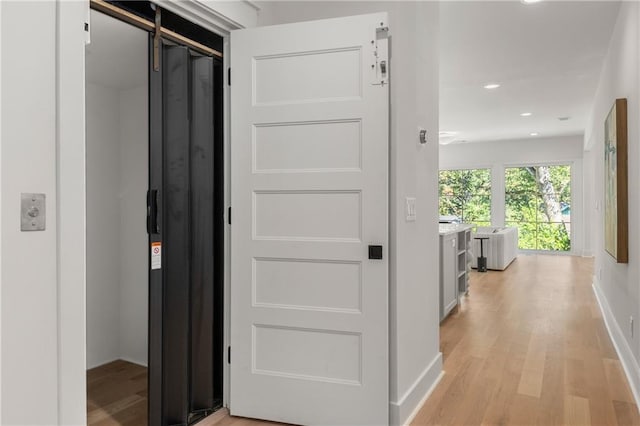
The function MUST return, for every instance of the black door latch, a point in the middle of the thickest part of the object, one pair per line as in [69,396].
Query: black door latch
[375,252]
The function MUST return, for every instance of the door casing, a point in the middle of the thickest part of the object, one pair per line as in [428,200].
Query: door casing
[71,190]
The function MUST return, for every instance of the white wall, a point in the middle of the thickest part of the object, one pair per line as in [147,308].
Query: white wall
[415,359]
[618,285]
[103,225]
[28,280]
[500,154]
[591,221]
[134,256]
[117,254]
[526,151]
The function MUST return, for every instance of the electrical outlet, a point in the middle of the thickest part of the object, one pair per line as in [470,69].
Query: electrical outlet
[631,325]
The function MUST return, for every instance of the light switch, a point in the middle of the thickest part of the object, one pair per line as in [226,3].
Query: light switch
[32,212]
[411,209]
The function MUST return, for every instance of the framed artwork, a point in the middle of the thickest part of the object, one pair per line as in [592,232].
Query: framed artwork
[616,232]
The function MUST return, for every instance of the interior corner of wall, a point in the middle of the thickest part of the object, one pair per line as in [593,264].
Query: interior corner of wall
[589,141]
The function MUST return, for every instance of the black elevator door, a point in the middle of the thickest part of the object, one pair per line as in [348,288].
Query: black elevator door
[185,298]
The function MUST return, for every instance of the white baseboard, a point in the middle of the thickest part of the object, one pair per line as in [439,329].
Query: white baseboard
[403,411]
[135,361]
[628,361]
[119,358]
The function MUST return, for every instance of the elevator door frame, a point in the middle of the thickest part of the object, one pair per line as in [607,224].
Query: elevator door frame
[71,192]
[220,23]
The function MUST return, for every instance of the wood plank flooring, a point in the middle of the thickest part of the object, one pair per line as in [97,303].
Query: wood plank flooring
[117,394]
[528,346]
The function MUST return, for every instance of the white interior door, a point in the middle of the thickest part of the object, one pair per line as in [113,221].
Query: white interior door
[309,149]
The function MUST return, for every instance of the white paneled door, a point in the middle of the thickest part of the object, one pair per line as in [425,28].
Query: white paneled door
[309,159]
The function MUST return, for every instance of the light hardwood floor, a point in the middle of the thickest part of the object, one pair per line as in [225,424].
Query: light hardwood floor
[117,396]
[528,346]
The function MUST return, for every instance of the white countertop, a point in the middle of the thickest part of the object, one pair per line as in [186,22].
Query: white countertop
[452,228]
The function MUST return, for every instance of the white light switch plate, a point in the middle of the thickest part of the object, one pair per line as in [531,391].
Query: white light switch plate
[411,209]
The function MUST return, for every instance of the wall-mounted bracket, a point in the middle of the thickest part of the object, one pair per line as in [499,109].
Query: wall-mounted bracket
[380,55]
[156,39]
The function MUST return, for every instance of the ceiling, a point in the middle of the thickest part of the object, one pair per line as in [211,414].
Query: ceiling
[117,54]
[546,57]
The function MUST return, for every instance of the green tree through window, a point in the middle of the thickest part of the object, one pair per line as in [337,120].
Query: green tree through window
[538,203]
[465,195]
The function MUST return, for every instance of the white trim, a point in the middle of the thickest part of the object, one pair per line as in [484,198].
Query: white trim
[0,217]
[253,4]
[201,14]
[131,361]
[627,359]
[404,411]
[71,211]
[226,370]
[520,164]
[479,167]
[528,252]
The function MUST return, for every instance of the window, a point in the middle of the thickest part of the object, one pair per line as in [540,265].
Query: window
[465,196]
[538,203]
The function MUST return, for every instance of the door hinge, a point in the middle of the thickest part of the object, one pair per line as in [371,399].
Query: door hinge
[380,55]
[229,76]
[229,355]
[229,216]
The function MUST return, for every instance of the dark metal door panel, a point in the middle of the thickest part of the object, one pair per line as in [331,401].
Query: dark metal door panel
[177,248]
[202,234]
[185,312]
[155,236]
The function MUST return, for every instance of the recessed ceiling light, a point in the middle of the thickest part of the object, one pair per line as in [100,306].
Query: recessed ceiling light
[491,86]
[526,114]
[534,134]
[531,1]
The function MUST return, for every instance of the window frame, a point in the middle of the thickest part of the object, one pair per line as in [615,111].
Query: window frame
[572,228]
[491,194]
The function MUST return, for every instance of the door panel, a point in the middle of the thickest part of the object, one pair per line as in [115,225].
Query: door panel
[309,152]
[202,235]
[155,224]
[176,233]
[185,357]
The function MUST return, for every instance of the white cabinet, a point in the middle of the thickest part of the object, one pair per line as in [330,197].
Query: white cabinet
[464,260]
[455,242]
[448,273]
